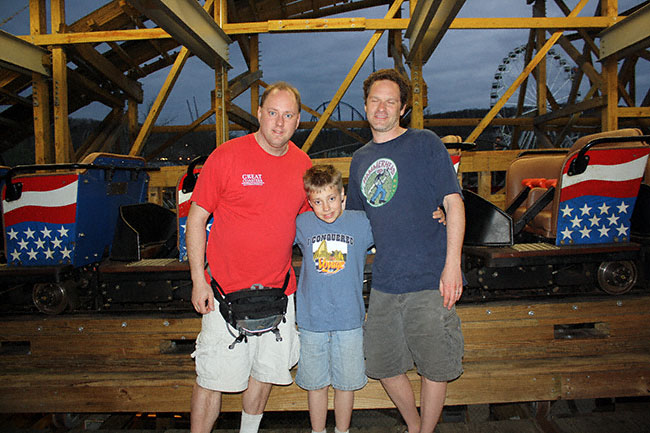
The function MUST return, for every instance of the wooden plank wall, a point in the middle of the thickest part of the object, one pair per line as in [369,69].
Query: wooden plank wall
[484,163]
[514,351]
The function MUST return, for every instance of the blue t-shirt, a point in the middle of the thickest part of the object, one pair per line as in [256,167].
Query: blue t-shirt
[399,184]
[329,294]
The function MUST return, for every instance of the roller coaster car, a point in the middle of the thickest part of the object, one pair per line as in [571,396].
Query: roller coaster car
[570,221]
[59,222]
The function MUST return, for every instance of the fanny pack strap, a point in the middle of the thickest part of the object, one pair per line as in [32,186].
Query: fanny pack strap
[215,285]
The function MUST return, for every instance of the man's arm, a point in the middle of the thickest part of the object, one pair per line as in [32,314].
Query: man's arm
[451,280]
[195,239]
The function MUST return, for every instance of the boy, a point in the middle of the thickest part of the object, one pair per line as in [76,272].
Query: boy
[329,304]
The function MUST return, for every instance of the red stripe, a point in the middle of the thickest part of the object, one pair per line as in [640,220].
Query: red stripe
[184,208]
[612,156]
[50,215]
[623,189]
[47,182]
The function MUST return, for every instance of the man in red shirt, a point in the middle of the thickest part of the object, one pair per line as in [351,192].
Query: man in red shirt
[253,187]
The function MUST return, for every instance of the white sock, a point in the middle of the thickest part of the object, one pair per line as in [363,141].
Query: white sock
[250,423]
[338,431]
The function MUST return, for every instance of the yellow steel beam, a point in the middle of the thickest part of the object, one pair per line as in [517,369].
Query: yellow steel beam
[626,36]
[348,80]
[429,22]
[190,25]
[21,56]
[541,54]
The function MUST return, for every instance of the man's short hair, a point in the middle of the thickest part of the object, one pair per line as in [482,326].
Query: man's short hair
[280,85]
[391,75]
[319,177]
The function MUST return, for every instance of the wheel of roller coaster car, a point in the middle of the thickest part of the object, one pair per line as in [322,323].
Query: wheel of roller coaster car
[617,278]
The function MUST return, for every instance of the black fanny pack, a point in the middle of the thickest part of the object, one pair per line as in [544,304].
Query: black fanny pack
[254,311]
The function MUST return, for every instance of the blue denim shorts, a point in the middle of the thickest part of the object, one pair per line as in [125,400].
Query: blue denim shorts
[331,358]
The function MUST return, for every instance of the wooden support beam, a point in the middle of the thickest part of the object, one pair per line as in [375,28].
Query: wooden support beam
[104,67]
[101,94]
[179,135]
[581,60]
[243,82]
[609,114]
[220,96]
[348,80]
[541,54]
[62,144]
[103,133]
[254,65]
[242,117]
[41,96]
[158,104]
[246,28]
[96,37]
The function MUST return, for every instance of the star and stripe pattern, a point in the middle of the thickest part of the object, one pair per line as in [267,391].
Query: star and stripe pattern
[39,226]
[182,209]
[596,206]
[455,160]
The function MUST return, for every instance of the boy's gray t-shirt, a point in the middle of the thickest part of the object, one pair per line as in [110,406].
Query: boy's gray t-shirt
[329,296]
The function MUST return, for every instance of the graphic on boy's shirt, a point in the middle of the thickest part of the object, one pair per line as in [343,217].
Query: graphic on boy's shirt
[379,183]
[330,252]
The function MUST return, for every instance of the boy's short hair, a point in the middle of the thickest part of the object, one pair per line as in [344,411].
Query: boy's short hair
[321,176]
[390,75]
[281,85]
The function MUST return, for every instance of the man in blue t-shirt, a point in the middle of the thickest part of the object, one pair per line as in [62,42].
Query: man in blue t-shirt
[416,274]
[329,302]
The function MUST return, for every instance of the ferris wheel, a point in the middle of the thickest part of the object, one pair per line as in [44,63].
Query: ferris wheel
[559,79]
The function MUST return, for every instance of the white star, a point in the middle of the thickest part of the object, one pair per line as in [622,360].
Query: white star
[182,228]
[56,242]
[23,244]
[575,222]
[209,227]
[40,244]
[29,233]
[566,211]
[594,220]
[46,232]
[604,231]
[604,209]
[32,254]
[622,208]
[65,252]
[622,230]
[566,233]
[63,232]
[613,220]
[49,254]
[585,209]
[15,255]
[584,232]
[13,234]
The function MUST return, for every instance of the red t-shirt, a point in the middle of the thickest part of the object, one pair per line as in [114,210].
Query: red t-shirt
[255,198]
